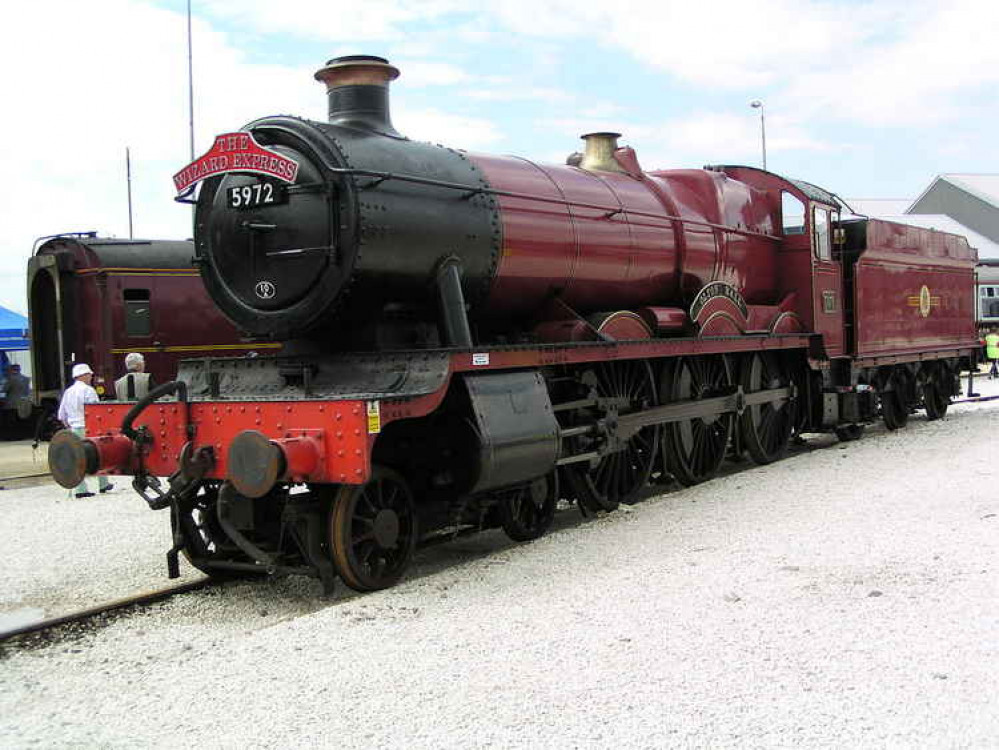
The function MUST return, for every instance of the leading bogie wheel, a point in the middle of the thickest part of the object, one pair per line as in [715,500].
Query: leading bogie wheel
[766,428]
[205,541]
[527,512]
[373,531]
[693,449]
[847,433]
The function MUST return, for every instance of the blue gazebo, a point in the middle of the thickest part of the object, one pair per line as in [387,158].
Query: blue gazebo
[13,331]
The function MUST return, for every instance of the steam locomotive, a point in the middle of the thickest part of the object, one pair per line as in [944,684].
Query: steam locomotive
[471,338]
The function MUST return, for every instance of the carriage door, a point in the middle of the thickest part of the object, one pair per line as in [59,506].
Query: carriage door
[827,282]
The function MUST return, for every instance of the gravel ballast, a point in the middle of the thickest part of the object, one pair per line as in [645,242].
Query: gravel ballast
[844,597]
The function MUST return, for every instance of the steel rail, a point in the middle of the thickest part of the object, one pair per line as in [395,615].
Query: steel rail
[146,597]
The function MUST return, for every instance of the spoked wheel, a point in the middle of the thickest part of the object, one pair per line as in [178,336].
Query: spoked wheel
[618,477]
[894,404]
[373,531]
[527,512]
[936,394]
[766,428]
[694,448]
[205,541]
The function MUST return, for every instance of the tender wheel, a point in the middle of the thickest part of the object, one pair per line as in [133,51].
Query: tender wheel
[894,404]
[527,512]
[849,432]
[766,428]
[936,394]
[618,477]
[373,531]
[694,449]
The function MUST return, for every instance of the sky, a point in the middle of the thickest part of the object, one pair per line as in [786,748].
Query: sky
[866,99]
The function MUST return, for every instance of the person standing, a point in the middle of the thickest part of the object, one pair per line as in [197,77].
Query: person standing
[19,392]
[136,382]
[71,414]
[992,352]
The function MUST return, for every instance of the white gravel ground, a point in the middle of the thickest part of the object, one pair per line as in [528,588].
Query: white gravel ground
[846,597]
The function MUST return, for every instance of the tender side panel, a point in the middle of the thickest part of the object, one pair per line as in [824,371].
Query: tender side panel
[912,291]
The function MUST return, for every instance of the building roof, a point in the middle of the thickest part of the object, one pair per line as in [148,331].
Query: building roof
[879,206]
[983,186]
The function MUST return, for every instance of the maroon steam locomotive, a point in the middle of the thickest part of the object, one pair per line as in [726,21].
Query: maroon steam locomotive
[471,338]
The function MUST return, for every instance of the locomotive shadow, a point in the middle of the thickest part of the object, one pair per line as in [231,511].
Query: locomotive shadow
[448,552]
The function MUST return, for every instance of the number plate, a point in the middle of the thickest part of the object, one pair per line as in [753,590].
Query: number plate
[258,194]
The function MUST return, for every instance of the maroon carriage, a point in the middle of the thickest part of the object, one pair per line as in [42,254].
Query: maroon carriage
[477,337]
[94,299]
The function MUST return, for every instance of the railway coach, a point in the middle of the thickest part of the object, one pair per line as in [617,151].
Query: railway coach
[471,338]
[94,299]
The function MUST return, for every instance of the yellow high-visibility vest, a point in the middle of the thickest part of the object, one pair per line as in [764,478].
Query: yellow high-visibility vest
[992,346]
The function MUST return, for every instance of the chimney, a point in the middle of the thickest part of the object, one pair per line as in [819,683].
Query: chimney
[598,154]
[357,87]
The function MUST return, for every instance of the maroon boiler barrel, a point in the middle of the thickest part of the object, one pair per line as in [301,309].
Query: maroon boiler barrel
[612,240]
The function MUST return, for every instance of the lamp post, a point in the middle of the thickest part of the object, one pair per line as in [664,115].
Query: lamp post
[757,104]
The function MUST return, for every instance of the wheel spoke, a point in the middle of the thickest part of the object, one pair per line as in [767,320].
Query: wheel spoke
[363,537]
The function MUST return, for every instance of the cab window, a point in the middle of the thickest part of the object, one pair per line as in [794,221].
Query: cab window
[821,240]
[792,213]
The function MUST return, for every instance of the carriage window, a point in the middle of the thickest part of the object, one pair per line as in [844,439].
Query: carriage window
[820,233]
[138,321]
[792,213]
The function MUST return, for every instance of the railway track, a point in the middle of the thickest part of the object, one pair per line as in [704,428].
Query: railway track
[83,615]
[974,399]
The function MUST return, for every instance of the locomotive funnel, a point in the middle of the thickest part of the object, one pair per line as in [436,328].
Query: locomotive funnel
[598,155]
[357,87]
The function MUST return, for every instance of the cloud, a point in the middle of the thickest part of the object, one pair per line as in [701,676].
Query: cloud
[449,129]
[420,73]
[724,45]
[357,21]
[513,93]
[943,64]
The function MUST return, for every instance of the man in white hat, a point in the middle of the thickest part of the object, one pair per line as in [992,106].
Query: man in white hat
[136,382]
[71,415]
